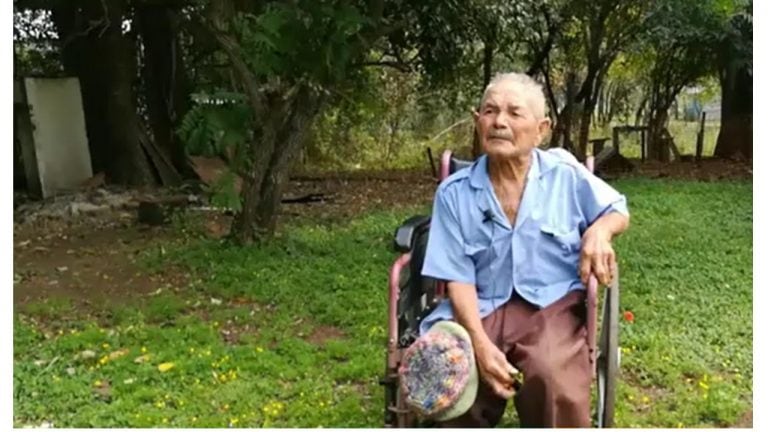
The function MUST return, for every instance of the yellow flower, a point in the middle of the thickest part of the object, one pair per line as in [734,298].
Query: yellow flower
[703,385]
[192,349]
[105,345]
[165,420]
[160,404]
[97,383]
[143,350]
[234,420]
[646,399]
[194,419]
[259,349]
[165,367]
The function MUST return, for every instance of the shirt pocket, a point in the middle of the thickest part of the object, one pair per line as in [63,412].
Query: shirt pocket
[561,240]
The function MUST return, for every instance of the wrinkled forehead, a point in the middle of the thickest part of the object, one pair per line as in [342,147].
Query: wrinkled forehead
[506,94]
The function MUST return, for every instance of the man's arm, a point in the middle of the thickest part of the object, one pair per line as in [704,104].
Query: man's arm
[445,260]
[597,254]
[607,216]
[491,362]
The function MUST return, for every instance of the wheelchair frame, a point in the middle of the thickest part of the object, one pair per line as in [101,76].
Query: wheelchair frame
[409,305]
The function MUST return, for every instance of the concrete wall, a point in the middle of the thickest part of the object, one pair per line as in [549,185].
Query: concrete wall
[58,150]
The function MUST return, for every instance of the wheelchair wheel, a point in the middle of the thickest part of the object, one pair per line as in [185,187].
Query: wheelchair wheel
[608,357]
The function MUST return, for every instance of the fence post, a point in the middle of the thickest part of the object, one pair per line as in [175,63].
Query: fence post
[700,137]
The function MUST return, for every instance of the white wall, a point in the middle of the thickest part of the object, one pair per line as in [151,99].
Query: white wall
[58,129]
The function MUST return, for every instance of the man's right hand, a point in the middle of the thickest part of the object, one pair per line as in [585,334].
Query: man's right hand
[494,369]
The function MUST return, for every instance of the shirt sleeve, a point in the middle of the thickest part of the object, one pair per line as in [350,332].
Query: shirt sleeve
[597,198]
[445,258]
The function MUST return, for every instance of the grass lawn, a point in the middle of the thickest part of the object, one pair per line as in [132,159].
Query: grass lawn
[684,133]
[292,333]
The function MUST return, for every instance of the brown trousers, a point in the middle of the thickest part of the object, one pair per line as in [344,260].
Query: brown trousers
[549,346]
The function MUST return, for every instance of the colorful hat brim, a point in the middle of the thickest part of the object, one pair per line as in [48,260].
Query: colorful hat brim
[468,395]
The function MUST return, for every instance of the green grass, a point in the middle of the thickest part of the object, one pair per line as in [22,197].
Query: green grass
[683,132]
[687,359]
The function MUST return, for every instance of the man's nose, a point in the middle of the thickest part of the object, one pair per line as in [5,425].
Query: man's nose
[500,121]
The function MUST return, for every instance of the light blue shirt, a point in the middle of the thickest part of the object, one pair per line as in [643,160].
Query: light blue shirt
[472,241]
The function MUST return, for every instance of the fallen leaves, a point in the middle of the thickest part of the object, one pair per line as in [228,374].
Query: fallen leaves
[114,355]
[142,358]
[165,367]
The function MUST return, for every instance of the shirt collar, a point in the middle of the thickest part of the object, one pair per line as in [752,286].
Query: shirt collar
[480,179]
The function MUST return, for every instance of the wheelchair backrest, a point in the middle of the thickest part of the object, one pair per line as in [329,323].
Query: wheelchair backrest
[450,164]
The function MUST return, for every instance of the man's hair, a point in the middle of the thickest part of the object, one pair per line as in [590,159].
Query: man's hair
[532,89]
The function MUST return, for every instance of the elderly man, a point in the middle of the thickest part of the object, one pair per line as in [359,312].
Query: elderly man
[516,237]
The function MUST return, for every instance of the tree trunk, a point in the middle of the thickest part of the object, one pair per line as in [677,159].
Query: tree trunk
[488,49]
[561,136]
[585,122]
[102,60]
[166,87]
[282,140]
[127,163]
[658,114]
[736,113]
[658,136]
[78,60]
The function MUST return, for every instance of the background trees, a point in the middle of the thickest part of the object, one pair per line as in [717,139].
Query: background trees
[271,86]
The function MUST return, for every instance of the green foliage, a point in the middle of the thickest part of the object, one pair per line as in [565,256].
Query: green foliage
[217,125]
[275,41]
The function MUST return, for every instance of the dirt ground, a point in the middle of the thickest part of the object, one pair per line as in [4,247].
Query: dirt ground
[93,257]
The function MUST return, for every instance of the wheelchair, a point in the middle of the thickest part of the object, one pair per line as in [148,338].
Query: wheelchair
[413,296]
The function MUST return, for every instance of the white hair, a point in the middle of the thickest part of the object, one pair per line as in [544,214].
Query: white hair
[532,89]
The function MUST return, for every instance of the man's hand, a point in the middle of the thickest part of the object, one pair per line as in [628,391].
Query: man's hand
[494,369]
[597,255]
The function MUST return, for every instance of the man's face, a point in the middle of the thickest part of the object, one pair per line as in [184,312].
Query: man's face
[506,125]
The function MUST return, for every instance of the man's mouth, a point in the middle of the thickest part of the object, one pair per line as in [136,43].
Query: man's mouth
[501,137]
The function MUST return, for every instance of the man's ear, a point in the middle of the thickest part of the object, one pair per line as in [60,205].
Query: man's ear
[475,115]
[544,127]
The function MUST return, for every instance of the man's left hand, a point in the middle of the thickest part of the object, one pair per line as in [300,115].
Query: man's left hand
[597,255]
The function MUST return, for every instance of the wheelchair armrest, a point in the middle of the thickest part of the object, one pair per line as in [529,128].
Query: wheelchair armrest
[406,232]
